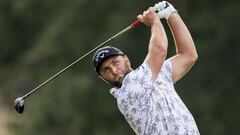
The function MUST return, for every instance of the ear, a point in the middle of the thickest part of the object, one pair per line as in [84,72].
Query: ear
[127,60]
[103,79]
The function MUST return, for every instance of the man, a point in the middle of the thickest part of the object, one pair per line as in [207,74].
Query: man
[146,96]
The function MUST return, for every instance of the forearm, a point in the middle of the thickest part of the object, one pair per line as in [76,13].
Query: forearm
[182,37]
[158,40]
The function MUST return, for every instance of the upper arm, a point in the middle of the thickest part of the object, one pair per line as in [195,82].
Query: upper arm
[181,64]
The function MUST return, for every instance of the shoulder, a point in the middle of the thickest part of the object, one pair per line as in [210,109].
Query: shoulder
[135,78]
[143,71]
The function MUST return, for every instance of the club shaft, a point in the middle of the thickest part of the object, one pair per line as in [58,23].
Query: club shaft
[133,25]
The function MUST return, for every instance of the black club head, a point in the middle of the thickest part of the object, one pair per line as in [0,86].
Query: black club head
[19,105]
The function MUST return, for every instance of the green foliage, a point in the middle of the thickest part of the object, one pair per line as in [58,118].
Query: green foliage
[38,38]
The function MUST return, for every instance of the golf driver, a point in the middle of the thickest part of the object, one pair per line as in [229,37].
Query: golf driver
[19,102]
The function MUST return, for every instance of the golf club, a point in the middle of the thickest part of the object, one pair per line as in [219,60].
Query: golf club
[19,102]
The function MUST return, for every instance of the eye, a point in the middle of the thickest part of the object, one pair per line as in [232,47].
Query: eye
[115,62]
[105,70]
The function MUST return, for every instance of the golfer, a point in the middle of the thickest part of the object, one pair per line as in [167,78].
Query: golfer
[146,96]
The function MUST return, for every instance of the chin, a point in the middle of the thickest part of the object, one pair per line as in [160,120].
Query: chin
[117,84]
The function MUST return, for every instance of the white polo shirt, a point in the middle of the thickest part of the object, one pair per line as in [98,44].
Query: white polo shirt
[153,108]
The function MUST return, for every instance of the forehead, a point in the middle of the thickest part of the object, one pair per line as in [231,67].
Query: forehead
[109,60]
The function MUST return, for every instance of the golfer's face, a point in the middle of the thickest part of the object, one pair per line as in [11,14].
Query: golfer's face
[114,69]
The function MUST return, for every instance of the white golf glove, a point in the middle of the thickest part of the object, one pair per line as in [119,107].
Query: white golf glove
[164,9]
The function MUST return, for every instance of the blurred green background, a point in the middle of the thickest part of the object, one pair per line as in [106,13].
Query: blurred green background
[40,37]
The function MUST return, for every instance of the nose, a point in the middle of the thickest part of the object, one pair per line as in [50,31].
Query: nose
[114,71]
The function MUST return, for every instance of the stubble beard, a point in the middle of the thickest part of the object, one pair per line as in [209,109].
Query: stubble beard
[118,83]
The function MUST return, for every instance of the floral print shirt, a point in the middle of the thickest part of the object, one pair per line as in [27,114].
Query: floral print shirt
[153,107]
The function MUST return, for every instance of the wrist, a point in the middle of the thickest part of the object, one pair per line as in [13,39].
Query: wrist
[170,13]
[173,16]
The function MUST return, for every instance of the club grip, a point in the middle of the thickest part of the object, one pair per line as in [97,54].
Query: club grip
[135,24]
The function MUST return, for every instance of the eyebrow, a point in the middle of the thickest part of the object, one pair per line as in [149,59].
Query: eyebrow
[111,61]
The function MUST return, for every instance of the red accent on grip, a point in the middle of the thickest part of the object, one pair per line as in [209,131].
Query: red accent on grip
[135,24]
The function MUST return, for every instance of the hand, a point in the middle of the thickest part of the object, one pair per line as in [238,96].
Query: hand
[149,17]
[164,9]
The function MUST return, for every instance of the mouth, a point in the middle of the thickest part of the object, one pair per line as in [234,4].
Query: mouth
[119,78]
[117,81]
